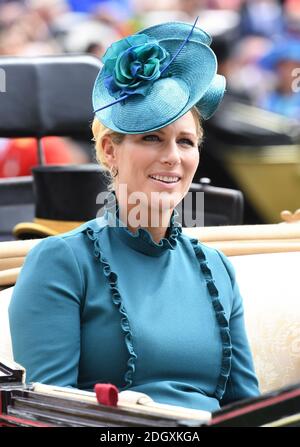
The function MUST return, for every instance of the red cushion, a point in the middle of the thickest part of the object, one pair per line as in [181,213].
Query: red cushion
[20,155]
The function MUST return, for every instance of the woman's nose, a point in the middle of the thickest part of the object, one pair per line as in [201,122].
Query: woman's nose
[171,153]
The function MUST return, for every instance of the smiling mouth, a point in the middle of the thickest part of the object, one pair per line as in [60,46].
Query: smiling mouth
[165,179]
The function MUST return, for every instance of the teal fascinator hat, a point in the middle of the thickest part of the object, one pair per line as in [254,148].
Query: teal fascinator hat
[152,78]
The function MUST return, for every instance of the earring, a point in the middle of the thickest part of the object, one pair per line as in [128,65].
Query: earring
[113,171]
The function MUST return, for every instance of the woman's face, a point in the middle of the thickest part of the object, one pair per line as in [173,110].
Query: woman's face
[162,161]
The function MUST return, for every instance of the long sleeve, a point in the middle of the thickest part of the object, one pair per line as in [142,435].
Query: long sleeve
[44,314]
[242,382]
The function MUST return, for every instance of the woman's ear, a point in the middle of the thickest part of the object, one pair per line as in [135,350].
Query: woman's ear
[109,150]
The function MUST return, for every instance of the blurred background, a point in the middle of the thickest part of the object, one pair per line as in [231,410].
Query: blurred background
[253,141]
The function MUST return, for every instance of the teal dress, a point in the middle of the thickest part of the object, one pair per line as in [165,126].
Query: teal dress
[101,304]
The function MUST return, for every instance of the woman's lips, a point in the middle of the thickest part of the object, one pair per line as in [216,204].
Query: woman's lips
[164,184]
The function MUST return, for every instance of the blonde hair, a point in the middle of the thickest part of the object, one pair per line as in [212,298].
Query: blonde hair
[100,131]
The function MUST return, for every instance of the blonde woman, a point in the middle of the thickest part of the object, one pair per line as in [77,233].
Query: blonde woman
[127,298]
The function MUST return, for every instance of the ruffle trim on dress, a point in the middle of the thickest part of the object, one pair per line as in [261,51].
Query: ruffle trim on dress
[174,230]
[117,300]
[221,319]
[141,240]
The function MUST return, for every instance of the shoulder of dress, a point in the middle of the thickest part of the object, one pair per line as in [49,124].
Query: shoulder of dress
[215,258]
[69,241]
[94,225]
[198,245]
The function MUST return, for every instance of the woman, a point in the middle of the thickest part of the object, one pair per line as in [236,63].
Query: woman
[140,305]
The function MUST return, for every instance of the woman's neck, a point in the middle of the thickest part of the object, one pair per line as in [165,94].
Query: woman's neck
[156,222]
[157,233]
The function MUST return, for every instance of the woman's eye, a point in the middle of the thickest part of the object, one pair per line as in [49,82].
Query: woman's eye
[187,141]
[156,138]
[150,138]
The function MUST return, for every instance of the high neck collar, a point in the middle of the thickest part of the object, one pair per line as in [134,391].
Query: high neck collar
[141,240]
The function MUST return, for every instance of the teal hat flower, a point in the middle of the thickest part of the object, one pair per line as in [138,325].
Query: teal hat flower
[152,78]
[132,65]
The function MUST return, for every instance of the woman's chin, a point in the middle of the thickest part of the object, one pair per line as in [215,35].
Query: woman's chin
[164,200]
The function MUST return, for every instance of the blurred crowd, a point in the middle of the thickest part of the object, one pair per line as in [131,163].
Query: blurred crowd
[257,43]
